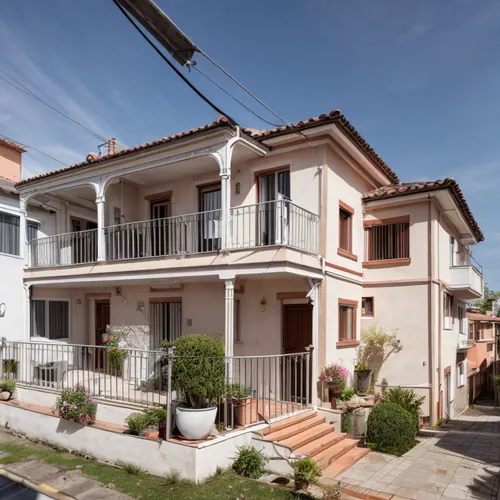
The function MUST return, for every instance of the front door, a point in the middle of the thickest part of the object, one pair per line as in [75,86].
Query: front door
[297,335]
[102,318]
[209,224]
[447,396]
[273,208]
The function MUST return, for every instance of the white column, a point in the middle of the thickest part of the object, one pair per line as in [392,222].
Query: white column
[229,324]
[313,295]
[22,230]
[101,242]
[225,174]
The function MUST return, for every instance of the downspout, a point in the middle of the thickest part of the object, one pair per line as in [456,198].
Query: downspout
[430,259]
[440,329]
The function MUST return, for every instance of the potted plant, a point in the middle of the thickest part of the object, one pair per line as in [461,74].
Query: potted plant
[241,398]
[116,356]
[76,405]
[7,388]
[335,377]
[306,471]
[198,373]
[362,377]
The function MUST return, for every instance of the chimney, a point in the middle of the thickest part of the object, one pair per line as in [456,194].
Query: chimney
[10,160]
[111,146]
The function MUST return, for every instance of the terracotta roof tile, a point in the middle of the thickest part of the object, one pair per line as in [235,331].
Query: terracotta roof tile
[407,188]
[482,317]
[90,160]
[335,116]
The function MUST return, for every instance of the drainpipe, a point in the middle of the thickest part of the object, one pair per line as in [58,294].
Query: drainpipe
[430,259]
[313,296]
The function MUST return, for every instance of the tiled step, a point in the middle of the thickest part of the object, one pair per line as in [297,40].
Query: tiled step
[287,422]
[302,438]
[326,457]
[345,461]
[292,430]
[321,444]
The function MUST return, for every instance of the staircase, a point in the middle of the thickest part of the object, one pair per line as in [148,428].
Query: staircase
[309,434]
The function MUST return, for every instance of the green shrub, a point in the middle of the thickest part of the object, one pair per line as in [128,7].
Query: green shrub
[249,462]
[361,366]
[137,423]
[347,421]
[156,415]
[407,399]
[9,366]
[238,391]
[391,429]
[496,380]
[347,393]
[198,369]
[306,471]
[8,385]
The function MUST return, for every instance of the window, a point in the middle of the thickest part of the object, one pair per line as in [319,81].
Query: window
[447,311]
[345,227]
[489,348]
[461,373]
[461,319]
[50,319]
[367,306]
[473,330]
[165,321]
[347,320]
[388,241]
[32,230]
[9,234]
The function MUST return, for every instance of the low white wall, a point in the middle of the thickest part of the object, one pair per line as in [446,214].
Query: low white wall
[155,456]
[106,412]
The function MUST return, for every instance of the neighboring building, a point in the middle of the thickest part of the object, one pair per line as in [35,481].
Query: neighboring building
[480,357]
[273,240]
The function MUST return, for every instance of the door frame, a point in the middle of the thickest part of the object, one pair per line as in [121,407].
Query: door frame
[303,303]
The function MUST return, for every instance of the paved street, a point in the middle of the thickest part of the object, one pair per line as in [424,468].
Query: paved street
[462,464]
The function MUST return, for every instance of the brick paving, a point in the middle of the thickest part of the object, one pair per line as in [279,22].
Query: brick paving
[463,463]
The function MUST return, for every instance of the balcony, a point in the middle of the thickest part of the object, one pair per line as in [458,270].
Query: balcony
[279,222]
[466,278]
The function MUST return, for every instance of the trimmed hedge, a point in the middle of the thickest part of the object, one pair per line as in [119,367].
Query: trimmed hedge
[391,429]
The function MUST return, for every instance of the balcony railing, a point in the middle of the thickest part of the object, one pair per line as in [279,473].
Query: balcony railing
[184,234]
[465,258]
[63,249]
[278,222]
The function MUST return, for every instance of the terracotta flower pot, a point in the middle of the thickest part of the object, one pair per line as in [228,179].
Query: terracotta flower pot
[243,411]
[333,393]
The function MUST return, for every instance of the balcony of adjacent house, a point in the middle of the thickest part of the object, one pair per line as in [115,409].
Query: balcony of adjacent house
[161,214]
[466,275]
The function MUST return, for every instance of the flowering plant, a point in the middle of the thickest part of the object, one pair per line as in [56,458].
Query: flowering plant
[76,405]
[335,375]
[116,356]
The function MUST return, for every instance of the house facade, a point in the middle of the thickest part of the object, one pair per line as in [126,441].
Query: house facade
[274,240]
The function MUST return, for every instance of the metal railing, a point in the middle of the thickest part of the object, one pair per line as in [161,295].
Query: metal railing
[63,249]
[279,222]
[183,234]
[121,374]
[466,258]
[251,389]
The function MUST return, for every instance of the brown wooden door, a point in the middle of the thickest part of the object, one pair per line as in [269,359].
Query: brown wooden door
[102,318]
[297,335]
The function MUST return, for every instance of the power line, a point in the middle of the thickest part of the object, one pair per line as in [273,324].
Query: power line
[177,72]
[34,149]
[30,93]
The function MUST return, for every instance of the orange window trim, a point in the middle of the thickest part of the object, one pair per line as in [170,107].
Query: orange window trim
[344,269]
[165,299]
[346,254]
[370,314]
[346,207]
[387,262]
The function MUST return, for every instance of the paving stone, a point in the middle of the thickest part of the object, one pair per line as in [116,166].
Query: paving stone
[33,471]
[407,492]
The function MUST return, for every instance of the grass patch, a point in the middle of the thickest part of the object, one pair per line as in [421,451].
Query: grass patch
[225,485]
[132,469]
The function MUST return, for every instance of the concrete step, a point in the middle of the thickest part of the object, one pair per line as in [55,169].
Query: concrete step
[318,445]
[302,438]
[345,461]
[294,429]
[287,422]
[326,457]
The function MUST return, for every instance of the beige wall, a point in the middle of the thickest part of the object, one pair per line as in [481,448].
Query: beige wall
[10,163]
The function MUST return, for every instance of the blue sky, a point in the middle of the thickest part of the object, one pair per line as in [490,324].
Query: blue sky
[419,80]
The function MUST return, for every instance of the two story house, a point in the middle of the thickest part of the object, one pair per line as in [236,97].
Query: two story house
[274,240]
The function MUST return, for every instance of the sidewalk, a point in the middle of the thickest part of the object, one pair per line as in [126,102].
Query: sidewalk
[462,464]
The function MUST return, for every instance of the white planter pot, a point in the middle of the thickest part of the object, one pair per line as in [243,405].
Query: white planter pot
[195,423]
